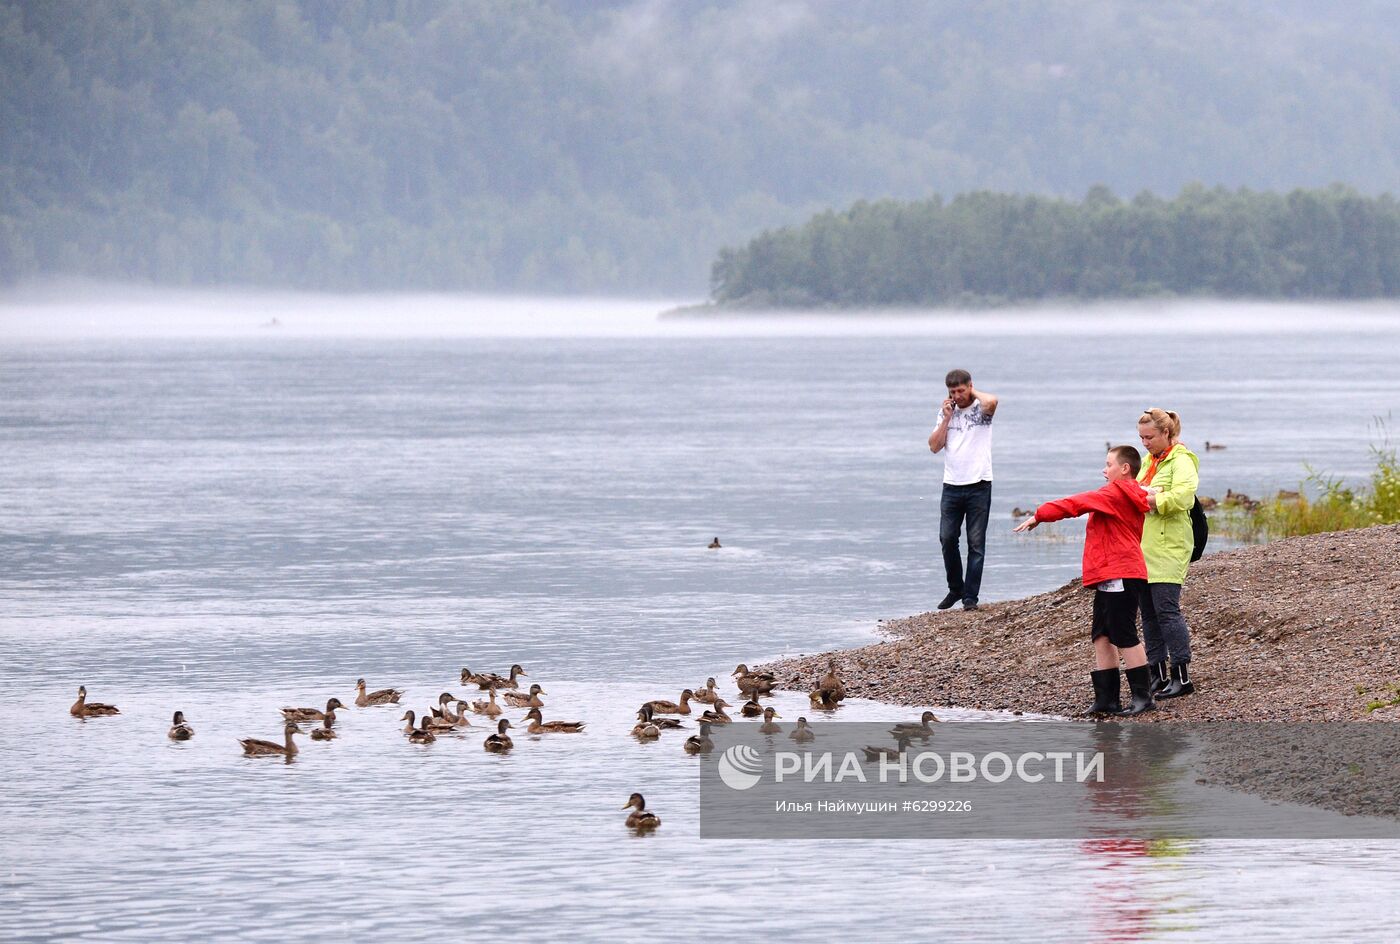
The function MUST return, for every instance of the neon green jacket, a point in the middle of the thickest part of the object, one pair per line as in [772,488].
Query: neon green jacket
[1167,539]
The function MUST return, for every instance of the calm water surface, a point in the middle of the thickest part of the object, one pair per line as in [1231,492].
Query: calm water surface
[226,525]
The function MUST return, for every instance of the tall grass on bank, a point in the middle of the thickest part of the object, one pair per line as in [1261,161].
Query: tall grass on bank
[1336,507]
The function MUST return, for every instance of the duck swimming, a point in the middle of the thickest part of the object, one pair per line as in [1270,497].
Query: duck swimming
[768,727]
[421,734]
[923,729]
[255,747]
[662,707]
[385,696]
[540,726]
[700,743]
[499,742]
[82,708]
[803,732]
[716,715]
[532,700]
[488,708]
[714,545]
[179,730]
[313,714]
[707,692]
[889,753]
[665,724]
[751,708]
[645,729]
[484,682]
[325,732]
[642,819]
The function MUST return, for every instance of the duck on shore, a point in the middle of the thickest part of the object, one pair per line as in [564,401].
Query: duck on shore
[255,747]
[641,819]
[179,730]
[753,683]
[385,696]
[82,708]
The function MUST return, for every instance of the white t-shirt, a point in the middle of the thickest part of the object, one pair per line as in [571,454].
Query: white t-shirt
[967,456]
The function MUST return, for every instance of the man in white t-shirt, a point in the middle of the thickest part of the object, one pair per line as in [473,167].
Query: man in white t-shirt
[964,436]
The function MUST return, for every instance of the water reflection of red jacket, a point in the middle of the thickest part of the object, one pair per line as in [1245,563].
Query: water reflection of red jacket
[1113,538]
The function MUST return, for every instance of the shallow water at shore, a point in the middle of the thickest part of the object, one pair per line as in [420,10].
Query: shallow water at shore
[229,525]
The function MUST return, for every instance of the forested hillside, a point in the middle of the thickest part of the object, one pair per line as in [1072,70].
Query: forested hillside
[615,146]
[989,248]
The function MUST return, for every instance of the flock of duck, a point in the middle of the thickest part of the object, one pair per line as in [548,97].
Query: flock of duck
[452,714]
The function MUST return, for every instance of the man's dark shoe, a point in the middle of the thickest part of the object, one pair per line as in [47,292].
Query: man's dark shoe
[970,606]
[1180,684]
[949,600]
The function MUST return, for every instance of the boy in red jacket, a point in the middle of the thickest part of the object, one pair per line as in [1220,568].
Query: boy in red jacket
[1115,570]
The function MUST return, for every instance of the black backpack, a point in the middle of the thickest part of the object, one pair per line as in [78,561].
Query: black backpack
[1200,530]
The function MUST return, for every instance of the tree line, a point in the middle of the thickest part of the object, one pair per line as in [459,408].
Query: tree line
[990,248]
[552,145]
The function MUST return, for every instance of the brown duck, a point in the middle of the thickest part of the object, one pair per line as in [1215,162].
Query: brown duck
[385,696]
[540,726]
[179,729]
[254,747]
[313,714]
[82,708]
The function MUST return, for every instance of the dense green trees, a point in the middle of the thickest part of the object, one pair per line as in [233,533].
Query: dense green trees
[554,145]
[985,248]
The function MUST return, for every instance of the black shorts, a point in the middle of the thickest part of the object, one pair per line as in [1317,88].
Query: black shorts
[1115,614]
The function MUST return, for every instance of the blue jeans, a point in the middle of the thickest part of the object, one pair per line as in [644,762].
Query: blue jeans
[973,502]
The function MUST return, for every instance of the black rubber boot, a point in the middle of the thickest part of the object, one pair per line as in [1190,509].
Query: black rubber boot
[1108,692]
[1180,684]
[1160,679]
[1140,684]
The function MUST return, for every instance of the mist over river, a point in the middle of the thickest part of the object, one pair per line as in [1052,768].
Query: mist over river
[227,504]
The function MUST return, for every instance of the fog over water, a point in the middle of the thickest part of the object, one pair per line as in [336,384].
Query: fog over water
[55,311]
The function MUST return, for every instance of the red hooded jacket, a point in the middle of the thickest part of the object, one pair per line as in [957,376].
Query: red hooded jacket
[1113,538]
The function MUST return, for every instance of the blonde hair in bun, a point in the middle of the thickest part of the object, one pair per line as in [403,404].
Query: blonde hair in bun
[1165,421]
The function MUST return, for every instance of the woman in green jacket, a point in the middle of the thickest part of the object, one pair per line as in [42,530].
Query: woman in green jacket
[1170,476]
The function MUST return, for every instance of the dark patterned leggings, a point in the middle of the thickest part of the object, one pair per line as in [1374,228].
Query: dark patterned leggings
[1164,629]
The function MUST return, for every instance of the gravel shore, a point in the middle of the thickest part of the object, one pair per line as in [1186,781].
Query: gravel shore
[1303,629]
